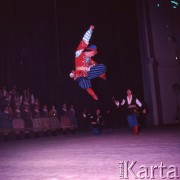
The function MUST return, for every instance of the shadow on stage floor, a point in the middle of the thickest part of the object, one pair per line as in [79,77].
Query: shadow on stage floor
[83,156]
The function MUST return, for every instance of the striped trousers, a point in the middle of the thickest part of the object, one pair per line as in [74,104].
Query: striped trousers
[95,71]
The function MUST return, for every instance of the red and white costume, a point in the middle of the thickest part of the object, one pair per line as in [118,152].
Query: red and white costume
[85,67]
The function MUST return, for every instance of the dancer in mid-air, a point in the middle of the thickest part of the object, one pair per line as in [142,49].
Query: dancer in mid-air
[85,67]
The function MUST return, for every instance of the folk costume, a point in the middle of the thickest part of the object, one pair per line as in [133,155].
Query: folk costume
[37,121]
[27,117]
[85,67]
[96,121]
[6,121]
[132,106]
[53,119]
[65,122]
[72,117]
[17,121]
[45,119]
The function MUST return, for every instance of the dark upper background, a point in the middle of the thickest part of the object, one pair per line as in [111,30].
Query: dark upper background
[38,39]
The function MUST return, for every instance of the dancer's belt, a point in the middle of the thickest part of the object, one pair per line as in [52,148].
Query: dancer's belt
[82,68]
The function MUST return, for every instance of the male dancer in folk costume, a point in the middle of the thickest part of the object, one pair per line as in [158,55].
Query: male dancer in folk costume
[132,105]
[85,67]
[96,121]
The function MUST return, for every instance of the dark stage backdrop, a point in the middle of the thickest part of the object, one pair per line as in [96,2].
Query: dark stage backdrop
[39,39]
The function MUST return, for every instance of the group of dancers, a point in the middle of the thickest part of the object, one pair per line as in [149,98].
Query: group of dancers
[87,69]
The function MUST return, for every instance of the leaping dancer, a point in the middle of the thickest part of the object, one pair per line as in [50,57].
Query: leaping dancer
[85,67]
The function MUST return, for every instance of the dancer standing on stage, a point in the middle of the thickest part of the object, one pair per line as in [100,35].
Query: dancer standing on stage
[65,122]
[73,119]
[132,108]
[85,67]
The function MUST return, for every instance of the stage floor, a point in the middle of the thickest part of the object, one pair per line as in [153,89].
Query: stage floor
[83,156]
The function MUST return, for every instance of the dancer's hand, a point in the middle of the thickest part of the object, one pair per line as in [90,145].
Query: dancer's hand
[116,102]
[144,111]
[91,27]
[132,106]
